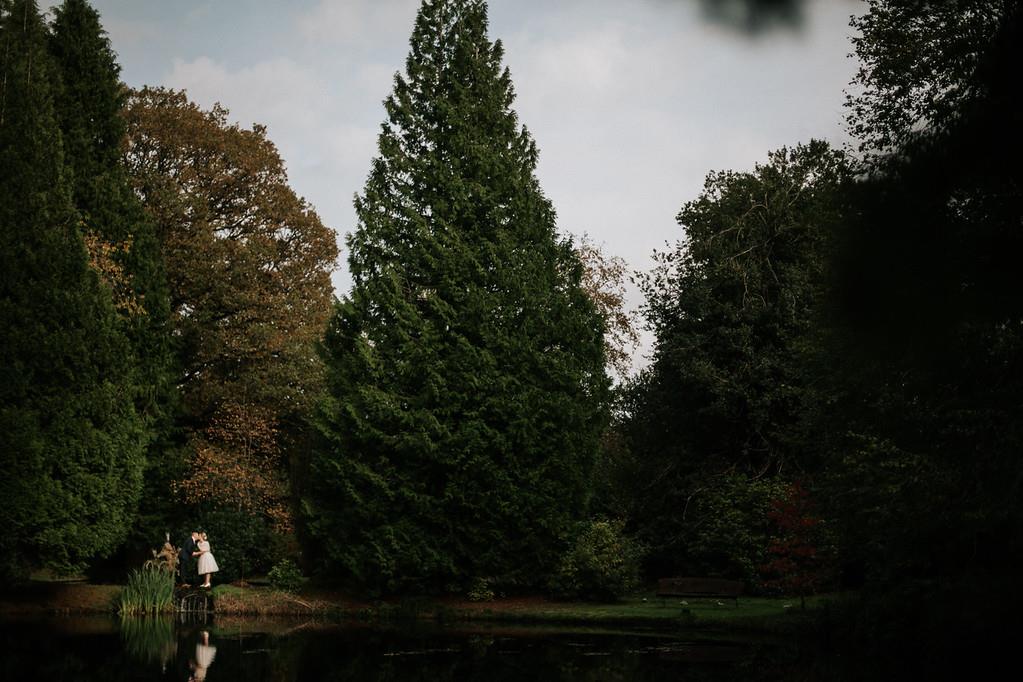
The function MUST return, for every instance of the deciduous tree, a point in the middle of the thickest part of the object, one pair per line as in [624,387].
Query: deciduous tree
[248,265]
[603,280]
[731,307]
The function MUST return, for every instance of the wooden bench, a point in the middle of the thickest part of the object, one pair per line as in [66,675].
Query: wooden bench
[699,587]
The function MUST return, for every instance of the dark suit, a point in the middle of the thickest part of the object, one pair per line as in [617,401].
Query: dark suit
[186,562]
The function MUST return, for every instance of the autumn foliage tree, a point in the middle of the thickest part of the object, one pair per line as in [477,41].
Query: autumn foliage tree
[248,264]
[799,552]
[237,462]
[603,280]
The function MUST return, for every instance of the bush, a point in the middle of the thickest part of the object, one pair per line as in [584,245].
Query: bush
[602,564]
[285,576]
[730,528]
[480,589]
[150,590]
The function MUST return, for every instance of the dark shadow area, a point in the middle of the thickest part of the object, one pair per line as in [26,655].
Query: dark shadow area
[152,650]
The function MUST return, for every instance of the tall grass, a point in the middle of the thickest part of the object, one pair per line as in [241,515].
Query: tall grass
[150,590]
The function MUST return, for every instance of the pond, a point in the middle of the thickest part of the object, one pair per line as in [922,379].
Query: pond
[93,648]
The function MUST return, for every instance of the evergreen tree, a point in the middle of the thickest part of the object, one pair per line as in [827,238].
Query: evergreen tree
[89,107]
[466,368]
[70,437]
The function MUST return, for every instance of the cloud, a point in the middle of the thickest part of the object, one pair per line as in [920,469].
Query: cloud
[129,33]
[631,104]
[326,153]
[354,21]
[278,92]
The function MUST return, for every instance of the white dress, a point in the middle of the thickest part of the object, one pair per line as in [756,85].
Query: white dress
[207,564]
[204,655]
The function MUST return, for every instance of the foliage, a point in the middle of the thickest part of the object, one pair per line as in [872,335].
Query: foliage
[285,576]
[466,367]
[237,464]
[248,266]
[917,70]
[71,438]
[167,558]
[733,307]
[149,591]
[602,564]
[926,347]
[480,589]
[730,529]
[248,262]
[799,553]
[603,281]
[243,543]
[121,240]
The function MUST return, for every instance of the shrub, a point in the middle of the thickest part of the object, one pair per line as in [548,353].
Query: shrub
[150,590]
[730,529]
[285,576]
[602,564]
[800,552]
[480,589]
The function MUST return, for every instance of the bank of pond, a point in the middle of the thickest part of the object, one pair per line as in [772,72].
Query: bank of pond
[258,633]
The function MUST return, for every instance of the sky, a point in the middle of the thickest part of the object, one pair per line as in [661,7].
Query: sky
[631,102]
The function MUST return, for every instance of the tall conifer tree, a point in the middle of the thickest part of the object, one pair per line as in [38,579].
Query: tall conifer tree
[466,368]
[88,105]
[71,441]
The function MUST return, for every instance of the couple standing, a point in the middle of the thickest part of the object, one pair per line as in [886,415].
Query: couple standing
[198,545]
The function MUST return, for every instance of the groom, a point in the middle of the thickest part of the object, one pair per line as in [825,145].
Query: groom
[186,560]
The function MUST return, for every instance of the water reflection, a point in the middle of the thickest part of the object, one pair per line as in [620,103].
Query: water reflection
[204,655]
[258,651]
[149,640]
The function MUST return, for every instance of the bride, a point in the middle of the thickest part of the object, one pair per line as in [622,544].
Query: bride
[207,564]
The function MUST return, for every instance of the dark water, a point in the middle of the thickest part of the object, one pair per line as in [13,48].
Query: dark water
[257,651]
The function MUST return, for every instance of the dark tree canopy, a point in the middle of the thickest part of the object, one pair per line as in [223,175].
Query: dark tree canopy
[931,341]
[918,62]
[71,440]
[121,239]
[466,368]
[731,306]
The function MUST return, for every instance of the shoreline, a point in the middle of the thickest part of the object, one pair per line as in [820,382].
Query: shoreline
[766,615]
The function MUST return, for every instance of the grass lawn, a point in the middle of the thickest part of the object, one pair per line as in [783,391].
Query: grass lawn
[753,612]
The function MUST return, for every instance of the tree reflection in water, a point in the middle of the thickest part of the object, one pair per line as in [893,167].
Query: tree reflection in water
[161,649]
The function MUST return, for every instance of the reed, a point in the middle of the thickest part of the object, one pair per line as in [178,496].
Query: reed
[150,590]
